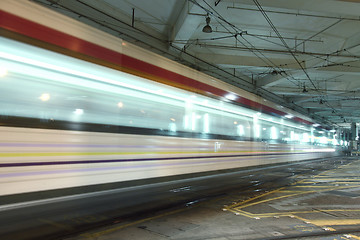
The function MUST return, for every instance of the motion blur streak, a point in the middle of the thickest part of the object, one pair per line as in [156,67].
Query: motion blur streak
[68,123]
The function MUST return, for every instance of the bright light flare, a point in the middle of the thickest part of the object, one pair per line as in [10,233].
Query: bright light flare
[319,150]
[240,130]
[257,130]
[273,133]
[79,111]
[44,97]
[3,71]
[172,127]
[231,96]
[120,105]
[206,123]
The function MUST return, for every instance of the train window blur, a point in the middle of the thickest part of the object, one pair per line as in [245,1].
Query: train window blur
[44,85]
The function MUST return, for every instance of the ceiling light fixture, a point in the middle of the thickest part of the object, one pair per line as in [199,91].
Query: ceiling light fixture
[304,90]
[207,28]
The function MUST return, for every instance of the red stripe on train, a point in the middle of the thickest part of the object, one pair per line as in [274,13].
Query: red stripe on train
[34,30]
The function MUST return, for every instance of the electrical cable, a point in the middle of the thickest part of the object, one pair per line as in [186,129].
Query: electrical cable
[285,44]
[282,40]
[287,75]
[236,28]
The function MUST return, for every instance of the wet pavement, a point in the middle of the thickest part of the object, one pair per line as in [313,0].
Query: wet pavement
[311,203]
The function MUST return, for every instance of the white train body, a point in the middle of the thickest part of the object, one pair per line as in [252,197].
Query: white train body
[80,107]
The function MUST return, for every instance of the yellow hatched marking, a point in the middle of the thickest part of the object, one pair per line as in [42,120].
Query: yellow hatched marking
[237,208]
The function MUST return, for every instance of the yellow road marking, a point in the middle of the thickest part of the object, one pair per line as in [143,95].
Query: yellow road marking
[326,222]
[353,183]
[353,236]
[284,214]
[331,176]
[332,179]
[329,188]
[275,198]
[237,208]
[330,229]
[310,186]
[300,218]
[251,199]
[243,205]
[292,191]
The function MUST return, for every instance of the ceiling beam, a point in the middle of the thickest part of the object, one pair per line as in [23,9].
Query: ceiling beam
[342,90]
[241,60]
[317,105]
[347,68]
[186,24]
[330,104]
[268,79]
[275,77]
[271,51]
[303,98]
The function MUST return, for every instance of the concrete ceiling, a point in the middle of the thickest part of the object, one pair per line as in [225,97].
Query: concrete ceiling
[302,54]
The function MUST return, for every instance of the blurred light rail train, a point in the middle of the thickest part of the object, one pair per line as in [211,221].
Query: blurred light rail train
[80,107]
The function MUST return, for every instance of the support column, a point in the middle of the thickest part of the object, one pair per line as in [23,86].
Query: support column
[354,137]
[354,131]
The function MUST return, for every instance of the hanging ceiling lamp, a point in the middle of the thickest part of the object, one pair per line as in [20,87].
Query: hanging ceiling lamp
[207,28]
[304,89]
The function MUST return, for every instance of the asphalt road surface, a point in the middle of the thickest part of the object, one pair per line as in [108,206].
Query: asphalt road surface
[61,217]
